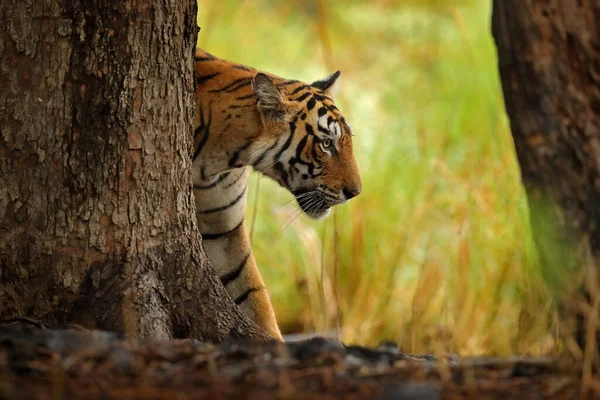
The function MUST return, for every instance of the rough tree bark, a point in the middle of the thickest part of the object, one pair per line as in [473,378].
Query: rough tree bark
[549,59]
[97,221]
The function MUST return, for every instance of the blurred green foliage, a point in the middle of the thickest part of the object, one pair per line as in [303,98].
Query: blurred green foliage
[435,253]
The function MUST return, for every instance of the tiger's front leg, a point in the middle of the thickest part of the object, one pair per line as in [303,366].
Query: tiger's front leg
[221,207]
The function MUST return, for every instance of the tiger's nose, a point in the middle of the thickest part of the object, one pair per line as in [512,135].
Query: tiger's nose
[351,191]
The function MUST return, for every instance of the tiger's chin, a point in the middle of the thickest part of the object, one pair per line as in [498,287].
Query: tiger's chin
[314,207]
[318,214]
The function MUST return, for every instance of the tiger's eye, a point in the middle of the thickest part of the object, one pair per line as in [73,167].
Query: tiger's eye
[326,143]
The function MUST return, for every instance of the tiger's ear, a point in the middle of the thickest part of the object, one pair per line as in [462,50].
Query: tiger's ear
[270,103]
[329,85]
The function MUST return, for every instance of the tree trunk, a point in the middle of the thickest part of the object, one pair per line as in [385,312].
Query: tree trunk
[97,218]
[549,58]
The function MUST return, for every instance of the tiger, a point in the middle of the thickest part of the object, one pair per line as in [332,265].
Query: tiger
[287,130]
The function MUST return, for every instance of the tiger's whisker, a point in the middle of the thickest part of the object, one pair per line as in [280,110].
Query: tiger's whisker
[299,197]
[291,218]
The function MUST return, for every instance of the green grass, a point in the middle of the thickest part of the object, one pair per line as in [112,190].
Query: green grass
[435,253]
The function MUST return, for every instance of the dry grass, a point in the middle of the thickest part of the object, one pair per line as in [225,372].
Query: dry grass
[435,253]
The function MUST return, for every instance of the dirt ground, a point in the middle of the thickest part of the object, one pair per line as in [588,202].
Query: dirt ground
[41,363]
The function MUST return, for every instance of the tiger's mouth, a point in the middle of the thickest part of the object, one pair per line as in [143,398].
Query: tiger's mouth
[314,202]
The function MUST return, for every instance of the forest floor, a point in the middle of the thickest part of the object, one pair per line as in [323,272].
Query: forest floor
[41,363]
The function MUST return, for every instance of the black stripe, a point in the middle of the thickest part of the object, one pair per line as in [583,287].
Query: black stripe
[303,97]
[260,158]
[224,207]
[200,146]
[236,155]
[203,126]
[215,236]
[278,165]
[201,79]
[233,86]
[242,67]
[246,97]
[300,147]
[287,142]
[243,297]
[314,152]
[298,158]
[233,275]
[239,86]
[236,180]
[213,184]
[208,57]
[323,130]
[225,129]
[311,103]
[298,89]
[282,173]
[286,83]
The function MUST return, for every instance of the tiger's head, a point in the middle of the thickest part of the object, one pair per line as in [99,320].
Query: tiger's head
[307,142]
